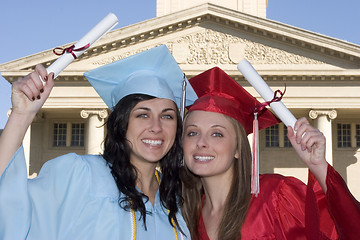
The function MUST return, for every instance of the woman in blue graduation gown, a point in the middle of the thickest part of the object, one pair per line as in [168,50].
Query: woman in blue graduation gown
[117,195]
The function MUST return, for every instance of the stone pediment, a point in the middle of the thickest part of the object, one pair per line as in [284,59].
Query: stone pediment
[209,35]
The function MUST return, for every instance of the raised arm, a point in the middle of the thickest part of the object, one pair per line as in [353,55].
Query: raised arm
[309,144]
[344,209]
[28,96]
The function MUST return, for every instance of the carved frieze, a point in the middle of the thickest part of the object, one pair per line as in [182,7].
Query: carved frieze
[261,54]
[121,56]
[211,47]
[208,47]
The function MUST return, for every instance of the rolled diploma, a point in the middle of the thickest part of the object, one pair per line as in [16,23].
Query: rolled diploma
[266,93]
[91,37]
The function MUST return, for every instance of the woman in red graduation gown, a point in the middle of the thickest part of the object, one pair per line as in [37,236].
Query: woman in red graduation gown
[217,191]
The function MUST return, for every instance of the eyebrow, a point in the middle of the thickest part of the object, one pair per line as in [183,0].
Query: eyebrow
[190,125]
[217,125]
[168,109]
[149,109]
[212,126]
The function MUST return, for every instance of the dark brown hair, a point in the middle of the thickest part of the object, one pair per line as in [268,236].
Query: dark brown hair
[117,154]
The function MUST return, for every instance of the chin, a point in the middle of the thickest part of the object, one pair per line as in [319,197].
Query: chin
[201,172]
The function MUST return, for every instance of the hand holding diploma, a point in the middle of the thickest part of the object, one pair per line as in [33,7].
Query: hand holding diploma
[30,86]
[266,93]
[30,92]
[27,91]
[71,53]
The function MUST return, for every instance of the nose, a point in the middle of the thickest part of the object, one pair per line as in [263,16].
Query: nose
[155,126]
[202,142]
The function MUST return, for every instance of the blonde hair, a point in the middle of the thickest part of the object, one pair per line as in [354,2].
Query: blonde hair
[238,199]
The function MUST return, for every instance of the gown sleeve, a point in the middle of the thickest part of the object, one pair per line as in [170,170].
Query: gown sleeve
[337,210]
[15,206]
[46,206]
[344,208]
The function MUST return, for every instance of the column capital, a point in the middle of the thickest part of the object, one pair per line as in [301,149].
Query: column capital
[315,113]
[102,113]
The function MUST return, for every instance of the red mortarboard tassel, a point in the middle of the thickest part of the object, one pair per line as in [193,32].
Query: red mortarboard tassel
[255,187]
[255,184]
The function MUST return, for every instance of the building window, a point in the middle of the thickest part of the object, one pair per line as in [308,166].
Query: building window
[343,135]
[77,134]
[276,137]
[272,136]
[357,135]
[68,134]
[59,139]
[287,142]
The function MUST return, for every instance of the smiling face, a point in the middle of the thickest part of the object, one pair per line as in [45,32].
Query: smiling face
[209,143]
[151,130]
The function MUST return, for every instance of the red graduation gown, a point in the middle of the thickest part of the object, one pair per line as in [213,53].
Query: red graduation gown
[288,209]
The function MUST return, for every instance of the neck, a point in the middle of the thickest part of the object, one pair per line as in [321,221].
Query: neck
[146,181]
[216,191]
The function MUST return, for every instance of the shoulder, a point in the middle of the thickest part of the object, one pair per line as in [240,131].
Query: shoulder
[72,162]
[279,194]
[276,184]
[89,171]
[278,180]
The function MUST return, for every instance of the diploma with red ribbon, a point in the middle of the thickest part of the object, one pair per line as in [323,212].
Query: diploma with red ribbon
[71,53]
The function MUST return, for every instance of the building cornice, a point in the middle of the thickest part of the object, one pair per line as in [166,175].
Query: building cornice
[272,76]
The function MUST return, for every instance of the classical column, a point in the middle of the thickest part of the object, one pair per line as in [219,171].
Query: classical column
[94,130]
[323,120]
[250,138]
[26,146]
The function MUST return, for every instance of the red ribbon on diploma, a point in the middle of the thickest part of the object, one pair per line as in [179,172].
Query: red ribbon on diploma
[258,109]
[70,49]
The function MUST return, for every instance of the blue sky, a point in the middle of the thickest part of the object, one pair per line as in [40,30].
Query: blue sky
[29,27]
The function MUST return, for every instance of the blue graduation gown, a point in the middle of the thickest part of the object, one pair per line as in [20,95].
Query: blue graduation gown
[73,197]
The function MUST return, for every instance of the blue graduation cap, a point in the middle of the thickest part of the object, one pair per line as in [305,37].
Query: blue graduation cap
[153,72]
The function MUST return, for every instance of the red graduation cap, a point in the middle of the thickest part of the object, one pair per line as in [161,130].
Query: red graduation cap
[218,92]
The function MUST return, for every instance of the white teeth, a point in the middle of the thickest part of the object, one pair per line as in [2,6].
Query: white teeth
[152,142]
[203,158]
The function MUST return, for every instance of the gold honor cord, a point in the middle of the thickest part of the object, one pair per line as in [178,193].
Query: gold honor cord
[133,219]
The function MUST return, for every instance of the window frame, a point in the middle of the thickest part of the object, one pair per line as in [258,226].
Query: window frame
[282,139]
[68,134]
[353,144]
[58,134]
